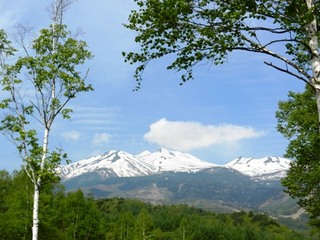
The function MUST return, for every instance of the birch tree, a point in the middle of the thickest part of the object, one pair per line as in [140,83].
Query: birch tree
[39,85]
[207,31]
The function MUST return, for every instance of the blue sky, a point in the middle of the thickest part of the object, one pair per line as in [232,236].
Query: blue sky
[225,112]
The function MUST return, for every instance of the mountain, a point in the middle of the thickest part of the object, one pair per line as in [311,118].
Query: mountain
[123,164]
[170,177]
[262,168]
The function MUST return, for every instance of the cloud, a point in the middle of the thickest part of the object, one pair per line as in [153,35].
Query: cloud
[187,136]
[71,135]
[101,139]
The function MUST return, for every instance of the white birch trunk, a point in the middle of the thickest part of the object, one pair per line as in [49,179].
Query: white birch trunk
[35,217]
[37,185]
[315,60]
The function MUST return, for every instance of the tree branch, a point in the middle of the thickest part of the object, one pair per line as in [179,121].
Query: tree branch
[288,72]
[271,30]
[261,49]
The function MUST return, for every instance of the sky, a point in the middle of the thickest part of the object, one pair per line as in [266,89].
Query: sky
[227,111]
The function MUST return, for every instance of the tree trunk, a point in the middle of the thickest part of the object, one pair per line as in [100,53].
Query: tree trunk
[37,185]
[318,105]
[35,217]
[312,30]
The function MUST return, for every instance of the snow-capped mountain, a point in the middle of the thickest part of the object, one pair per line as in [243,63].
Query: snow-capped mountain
[168,177]
[262,168]
[123,164]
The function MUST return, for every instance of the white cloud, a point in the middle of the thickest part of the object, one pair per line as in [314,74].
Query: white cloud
[187,136]
[101,139]
[71,135]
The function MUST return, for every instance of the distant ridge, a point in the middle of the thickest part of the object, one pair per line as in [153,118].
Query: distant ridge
[267,167]
[122,164]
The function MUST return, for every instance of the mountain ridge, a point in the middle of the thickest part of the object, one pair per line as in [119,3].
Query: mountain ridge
[117,163]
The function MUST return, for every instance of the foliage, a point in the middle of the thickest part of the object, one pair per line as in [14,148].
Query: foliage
[38,86]
[298,122]
[53,77]
[64,216]
[75,216]
[16,205]
[6,48]
[197,31]
[184,222]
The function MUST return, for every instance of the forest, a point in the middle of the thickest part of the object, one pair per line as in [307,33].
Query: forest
[74,215]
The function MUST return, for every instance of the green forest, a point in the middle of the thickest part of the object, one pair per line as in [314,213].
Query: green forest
[73,215]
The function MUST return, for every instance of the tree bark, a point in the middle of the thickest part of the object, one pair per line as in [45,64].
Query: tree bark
[318,105]
[315,59]
[37,185]
[35,217]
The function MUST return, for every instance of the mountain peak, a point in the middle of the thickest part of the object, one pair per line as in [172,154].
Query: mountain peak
[165,152]
[167,160]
